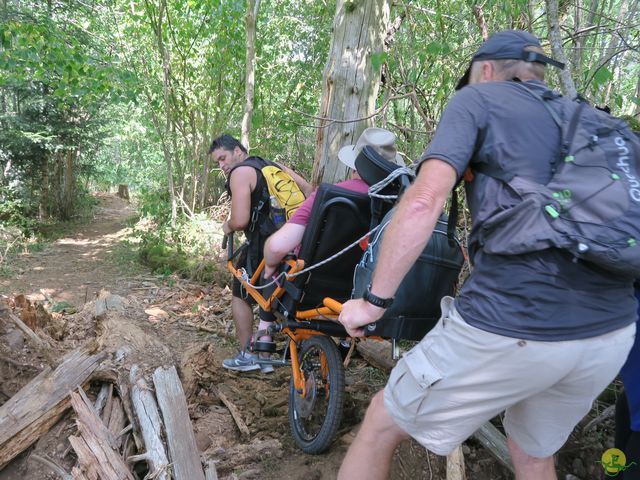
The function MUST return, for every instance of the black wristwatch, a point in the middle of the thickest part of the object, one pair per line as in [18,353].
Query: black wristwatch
[375,300]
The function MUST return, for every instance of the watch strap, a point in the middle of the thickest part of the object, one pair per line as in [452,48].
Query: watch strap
[375,300]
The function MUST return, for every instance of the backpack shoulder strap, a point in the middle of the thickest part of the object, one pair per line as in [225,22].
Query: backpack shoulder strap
[253,161]
[247,162]
[259,196]
[546,96]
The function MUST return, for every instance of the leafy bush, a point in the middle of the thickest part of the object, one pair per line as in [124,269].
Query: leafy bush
[190,249]
[15,210]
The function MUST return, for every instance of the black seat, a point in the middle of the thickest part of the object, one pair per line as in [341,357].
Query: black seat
[373,168]
[338,218]
[416,308]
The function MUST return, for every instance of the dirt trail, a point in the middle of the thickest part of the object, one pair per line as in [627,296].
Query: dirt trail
[74,268]
[192,328]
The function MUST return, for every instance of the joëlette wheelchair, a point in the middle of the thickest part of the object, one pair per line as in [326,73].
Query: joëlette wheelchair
[306,304]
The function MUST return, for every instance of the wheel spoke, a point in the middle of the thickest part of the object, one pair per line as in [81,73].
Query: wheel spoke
[315,418]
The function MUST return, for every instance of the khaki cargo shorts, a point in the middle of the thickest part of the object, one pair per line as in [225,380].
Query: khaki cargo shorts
[458,377]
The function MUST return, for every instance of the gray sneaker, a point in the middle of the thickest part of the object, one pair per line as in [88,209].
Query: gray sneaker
[266,368]
[242,362]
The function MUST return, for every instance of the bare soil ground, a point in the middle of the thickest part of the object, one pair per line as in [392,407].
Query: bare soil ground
[189,325]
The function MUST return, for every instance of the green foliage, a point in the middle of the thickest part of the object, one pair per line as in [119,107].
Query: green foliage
[188,249]
[57,73]
[601,76]
[115,92]
[15,210]
[634,122]
[63,307]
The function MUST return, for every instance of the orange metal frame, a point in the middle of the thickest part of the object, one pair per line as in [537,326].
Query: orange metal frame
[330,311]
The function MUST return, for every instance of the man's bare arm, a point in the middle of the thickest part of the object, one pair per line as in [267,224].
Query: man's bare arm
[280,244]
[304,186]
[242,181]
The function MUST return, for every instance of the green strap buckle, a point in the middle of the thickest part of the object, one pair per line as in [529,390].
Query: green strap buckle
[553,213]
[569,158]
[615,176]
[632,242]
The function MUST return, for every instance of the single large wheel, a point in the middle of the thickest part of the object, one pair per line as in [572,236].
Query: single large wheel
[314,419]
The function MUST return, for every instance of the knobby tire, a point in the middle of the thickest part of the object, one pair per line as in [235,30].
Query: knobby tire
[314,421]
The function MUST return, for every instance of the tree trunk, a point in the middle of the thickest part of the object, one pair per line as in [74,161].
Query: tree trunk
[613,53]
[350,82]
[481,21]
[555,37]
[194,152]
[3,98]
[252,14]
[68,188]
[123,191]
[204,151]
[204,181]
[156,23]
[580,39]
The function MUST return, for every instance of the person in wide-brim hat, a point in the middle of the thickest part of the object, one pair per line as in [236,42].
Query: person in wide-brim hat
[290,235]
[382,140]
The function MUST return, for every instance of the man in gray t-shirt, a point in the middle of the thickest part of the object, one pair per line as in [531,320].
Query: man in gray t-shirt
[537,335]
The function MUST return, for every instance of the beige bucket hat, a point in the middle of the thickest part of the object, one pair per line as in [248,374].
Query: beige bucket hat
[383,141]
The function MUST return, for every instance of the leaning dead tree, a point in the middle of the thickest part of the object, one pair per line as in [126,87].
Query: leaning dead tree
[350,82]
[566,81]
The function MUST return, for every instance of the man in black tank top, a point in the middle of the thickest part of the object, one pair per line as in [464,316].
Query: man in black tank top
[245,185]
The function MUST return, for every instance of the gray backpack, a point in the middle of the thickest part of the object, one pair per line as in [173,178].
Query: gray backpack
[591,205]
[416,308]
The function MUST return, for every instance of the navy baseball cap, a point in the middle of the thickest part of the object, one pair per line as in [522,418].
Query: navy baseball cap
[510,44]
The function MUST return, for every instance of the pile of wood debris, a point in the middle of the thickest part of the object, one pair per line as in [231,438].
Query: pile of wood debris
[129,430]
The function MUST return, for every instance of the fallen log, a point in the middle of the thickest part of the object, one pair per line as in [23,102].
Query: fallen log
[103,408]
[146,408]
[235,413]
[455,465]
[493,440]
[105,302]
[96,447]
[103,398]
[210,472]
[183,450]
[39,405]
[117,421]
[110,376]
[378,354]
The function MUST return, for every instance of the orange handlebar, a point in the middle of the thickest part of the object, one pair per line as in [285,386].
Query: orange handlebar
[332,304]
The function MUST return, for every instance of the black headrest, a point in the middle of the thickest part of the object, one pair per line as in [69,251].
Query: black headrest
[373,167]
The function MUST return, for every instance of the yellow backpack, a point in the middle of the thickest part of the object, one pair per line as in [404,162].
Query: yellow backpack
[283,187]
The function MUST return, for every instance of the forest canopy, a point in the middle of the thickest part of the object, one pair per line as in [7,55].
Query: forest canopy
[96,94]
